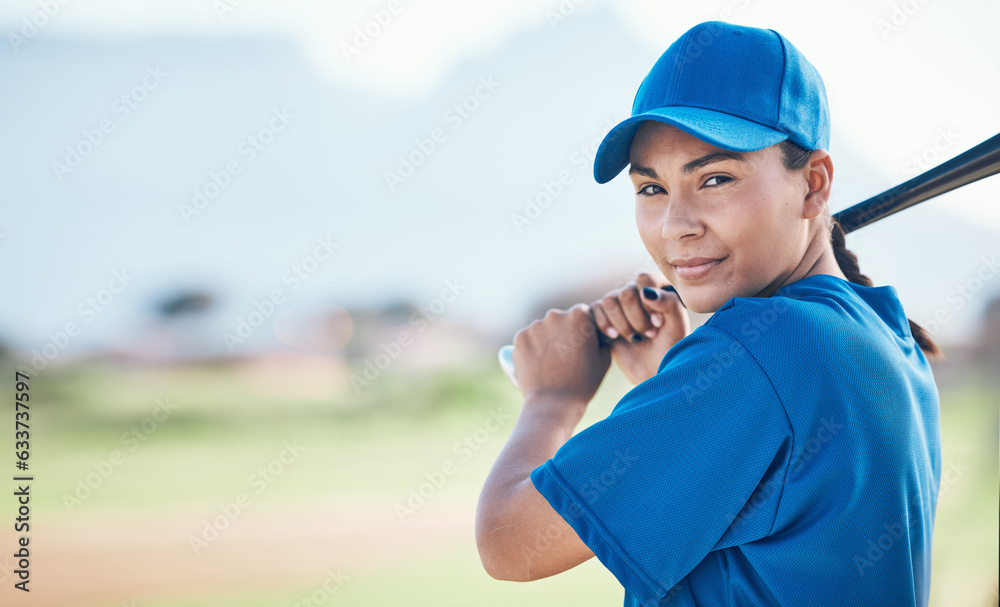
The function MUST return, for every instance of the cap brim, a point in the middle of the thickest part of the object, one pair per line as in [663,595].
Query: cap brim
[721,130]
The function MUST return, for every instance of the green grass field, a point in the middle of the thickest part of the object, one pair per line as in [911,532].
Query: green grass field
[334,507]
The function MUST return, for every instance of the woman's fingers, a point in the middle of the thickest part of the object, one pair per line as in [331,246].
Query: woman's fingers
[602,321]
[635,314]
[620,314]
[656,281]
[653,287]
[618,325]
[636,310]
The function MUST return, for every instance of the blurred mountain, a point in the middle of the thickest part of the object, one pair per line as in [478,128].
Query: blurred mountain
[234,162]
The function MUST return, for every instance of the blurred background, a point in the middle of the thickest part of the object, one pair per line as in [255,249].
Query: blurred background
[258,256]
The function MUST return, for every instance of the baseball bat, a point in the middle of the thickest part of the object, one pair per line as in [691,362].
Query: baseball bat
[970,166]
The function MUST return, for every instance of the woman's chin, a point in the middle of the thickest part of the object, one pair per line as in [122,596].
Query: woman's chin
[701,300]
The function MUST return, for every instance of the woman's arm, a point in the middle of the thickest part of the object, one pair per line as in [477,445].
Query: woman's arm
[560,366]
[520,536]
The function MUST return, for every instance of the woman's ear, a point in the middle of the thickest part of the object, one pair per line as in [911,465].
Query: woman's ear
[819,177]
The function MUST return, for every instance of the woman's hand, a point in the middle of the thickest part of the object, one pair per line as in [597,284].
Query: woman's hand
[559,357]
[644,321]
[559,365]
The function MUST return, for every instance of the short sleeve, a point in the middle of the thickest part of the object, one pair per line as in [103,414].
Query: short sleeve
[664,479]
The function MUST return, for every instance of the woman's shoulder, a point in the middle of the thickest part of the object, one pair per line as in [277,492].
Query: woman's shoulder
[818,305]
[820,312]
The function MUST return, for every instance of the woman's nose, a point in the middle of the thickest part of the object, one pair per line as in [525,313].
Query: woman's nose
[680,222]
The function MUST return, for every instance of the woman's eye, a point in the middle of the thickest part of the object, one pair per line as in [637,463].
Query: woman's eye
[718,180]
[650,190]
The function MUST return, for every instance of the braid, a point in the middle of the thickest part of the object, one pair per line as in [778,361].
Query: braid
[848,263]
[795,158]
[847,260]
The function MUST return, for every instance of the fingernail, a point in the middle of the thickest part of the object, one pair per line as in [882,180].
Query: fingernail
[636,338]
[656,319]
[650,334]
[650,293]
[612,333]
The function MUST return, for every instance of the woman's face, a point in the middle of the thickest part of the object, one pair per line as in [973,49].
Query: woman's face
[718,224]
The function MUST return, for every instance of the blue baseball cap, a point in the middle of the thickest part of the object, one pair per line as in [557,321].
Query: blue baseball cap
[738,88]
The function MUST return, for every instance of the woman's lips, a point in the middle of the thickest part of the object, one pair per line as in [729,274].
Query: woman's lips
[693,269]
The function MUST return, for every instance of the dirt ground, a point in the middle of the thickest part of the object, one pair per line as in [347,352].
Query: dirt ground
[111,560]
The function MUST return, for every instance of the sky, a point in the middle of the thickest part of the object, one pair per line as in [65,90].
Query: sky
[294,117]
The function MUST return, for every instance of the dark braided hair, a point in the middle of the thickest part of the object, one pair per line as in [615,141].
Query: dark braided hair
[795,158]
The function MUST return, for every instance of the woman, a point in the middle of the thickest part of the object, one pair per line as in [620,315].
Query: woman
[786,452]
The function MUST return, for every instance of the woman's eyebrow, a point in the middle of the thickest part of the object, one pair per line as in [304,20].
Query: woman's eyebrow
[694,165]
[708,159]
[638,169]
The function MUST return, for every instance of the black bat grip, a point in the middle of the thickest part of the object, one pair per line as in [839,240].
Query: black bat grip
[972,165]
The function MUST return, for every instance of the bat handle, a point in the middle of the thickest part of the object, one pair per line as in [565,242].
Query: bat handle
[506,356]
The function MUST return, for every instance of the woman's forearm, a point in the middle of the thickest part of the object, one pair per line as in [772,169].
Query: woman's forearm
[512,515]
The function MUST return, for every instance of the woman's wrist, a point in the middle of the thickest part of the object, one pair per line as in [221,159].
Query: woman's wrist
[554,409]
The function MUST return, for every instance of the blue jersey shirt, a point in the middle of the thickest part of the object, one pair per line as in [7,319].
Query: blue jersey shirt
[787,452]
